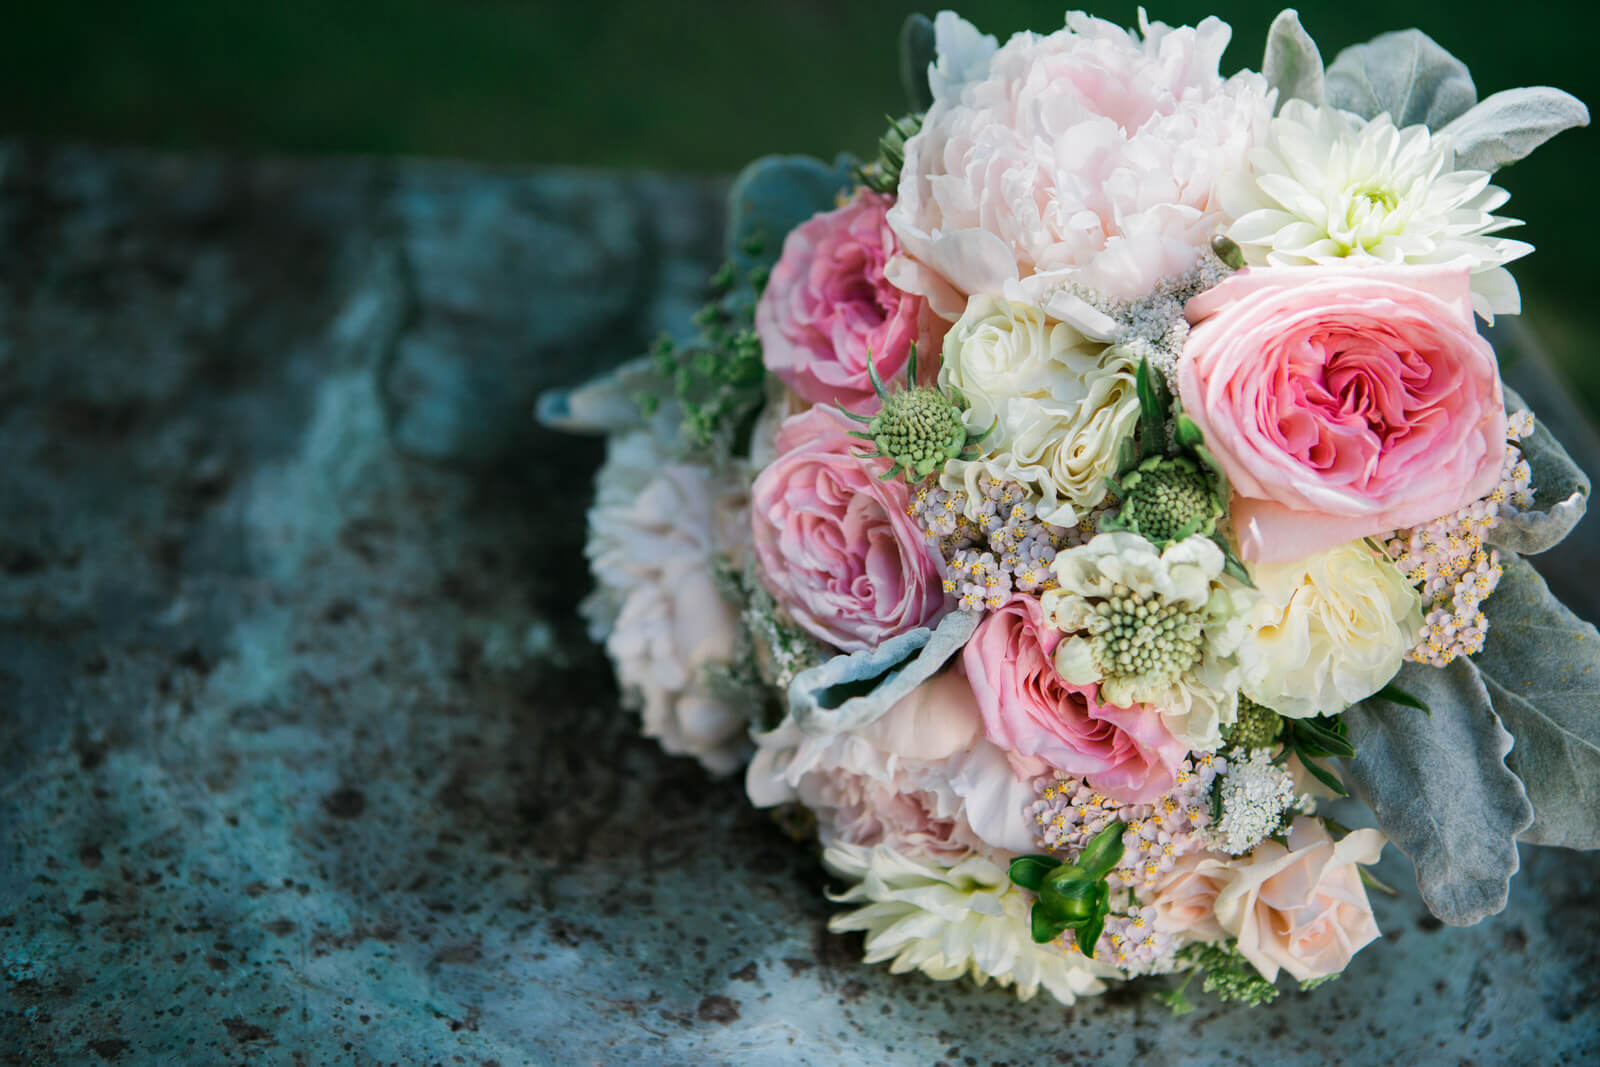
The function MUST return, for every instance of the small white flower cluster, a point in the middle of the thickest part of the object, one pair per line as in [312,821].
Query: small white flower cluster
[1255,795]
[1154,326]
[1447,559]
[1069,813]
[989,545]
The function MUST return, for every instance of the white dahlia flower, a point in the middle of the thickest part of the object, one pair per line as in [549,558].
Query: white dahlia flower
[951,921]
[1059,405]
[1087,157]
[1328,630]
[1329,186]
[1153,627]
[655,531]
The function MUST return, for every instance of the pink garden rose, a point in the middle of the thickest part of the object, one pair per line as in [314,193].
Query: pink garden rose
[1030,710]
[1301,908]
[1342,401]
[835,544]
[827,305]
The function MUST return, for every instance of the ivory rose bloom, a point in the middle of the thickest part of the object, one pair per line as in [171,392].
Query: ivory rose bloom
[1302,909]
[828,304]
[1091,156]
[655,532]
[1342,401]
[921,779]
[1059,404]
[835,544]
[1032,711]
[1330,630]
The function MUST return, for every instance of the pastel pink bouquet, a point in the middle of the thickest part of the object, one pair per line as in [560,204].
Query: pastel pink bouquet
[1065,507]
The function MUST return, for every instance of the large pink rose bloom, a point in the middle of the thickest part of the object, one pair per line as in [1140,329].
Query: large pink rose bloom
[827,305]
[1030,710]
[1091,156]
[1342,401]
[835,544]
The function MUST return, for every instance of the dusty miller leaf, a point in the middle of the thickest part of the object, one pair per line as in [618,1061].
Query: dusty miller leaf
[917,53]
[1510,124]
[1405,73]
[851,691]
[1292,64]
[773,195]
[1441,790]
[1542,666]
[1560,498]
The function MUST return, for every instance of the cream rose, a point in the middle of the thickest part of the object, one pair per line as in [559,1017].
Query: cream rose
[1059,404]
[1328,631]
[1185,898]
[1302,909]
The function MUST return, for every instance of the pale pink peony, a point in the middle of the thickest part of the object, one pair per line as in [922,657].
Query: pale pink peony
[828,305]
[1342,401]
[921,779]
[1302,908]
[835,544]
[1030,710]
[1091,156]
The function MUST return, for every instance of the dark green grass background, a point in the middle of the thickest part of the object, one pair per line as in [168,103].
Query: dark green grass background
[690,87]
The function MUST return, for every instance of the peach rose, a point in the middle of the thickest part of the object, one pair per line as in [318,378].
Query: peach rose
[1342,401]
[1186,896]
[1302,909]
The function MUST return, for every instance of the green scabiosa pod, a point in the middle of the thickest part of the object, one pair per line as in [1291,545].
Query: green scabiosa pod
[919,428]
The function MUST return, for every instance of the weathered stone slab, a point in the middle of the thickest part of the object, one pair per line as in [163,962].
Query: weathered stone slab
[304,757]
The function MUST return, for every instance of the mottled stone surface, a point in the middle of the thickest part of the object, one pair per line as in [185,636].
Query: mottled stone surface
[304,757]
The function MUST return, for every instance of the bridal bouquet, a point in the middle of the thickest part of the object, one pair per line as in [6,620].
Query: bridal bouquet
[1054,513]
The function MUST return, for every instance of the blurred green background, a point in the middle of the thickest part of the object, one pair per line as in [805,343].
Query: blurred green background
[690,87]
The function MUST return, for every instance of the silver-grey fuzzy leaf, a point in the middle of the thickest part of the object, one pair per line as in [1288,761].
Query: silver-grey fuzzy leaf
[1510,124]
[1405,73]
[1292,64]
[1542,664]
[773,195]
[900,664]
[1560,498]
[1441,790]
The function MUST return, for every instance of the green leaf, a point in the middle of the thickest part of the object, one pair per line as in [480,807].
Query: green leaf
[1045,928]
[1318,740]
[1176,1000]
[1560,493]
[1029,871]
[1325,776]
[1406,74]
[1103,851]
[1441,790]
[1292,64]
[1509,125]
[1152,420]
[1395,695]
[1541,664]
[917,53]
[1089,933]
[1069,895]
[1371,881]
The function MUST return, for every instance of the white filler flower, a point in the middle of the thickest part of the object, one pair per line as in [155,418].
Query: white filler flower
[951,921]
[1329,186]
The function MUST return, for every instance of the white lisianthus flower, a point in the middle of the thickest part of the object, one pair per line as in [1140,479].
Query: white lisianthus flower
[1329,186]
[655,531]
[1087,157]
[1153,627]
[1059,404]
[1328,631]
[951,921]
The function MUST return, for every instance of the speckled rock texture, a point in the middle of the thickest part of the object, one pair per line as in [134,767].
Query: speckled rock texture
[304,756]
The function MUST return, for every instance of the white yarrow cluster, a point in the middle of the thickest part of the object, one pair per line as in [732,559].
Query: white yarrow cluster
[1255,795]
